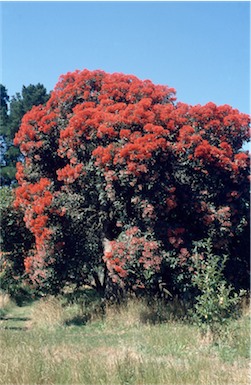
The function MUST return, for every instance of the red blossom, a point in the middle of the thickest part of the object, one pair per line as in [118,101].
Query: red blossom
[136,139]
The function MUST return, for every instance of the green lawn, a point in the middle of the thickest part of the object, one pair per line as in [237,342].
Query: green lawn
[47,343]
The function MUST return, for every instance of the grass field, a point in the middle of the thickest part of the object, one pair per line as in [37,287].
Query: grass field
[50,342]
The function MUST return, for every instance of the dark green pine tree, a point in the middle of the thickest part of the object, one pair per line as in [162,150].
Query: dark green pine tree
[4,99]
[33,95]
[4,124]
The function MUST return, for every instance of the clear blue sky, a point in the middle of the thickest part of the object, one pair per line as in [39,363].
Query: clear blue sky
[202,49]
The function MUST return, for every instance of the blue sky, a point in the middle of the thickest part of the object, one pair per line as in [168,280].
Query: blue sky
[202,49]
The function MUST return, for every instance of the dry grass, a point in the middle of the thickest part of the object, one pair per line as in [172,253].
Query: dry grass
[47,313]
[128,347]
[125,315]
[5,300]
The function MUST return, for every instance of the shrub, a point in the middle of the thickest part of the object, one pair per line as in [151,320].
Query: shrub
[216,302]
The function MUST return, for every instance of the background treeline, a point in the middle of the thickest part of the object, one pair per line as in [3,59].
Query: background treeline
[12,109]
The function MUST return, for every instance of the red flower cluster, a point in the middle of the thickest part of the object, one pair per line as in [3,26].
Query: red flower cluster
[29,135]
[174,236]
[35,199]
[130,255]
[69,174]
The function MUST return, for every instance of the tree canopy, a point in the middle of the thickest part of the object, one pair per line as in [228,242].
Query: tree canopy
[112,157]
[12,110]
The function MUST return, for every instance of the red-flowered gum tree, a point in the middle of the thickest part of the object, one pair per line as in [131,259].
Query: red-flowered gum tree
[112,157]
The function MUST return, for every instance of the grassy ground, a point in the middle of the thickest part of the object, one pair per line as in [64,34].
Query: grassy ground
[49,342]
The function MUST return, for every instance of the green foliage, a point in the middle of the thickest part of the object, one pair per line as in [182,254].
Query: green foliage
[80,232]
[216,302]
[15,240]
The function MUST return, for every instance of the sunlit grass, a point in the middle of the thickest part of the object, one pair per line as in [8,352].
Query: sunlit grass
[125,345]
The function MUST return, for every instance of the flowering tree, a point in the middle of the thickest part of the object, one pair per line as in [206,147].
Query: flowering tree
[111,156]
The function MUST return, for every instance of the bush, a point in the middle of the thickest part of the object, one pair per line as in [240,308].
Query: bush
[216,302]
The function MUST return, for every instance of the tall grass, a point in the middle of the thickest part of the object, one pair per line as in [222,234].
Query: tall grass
[135,343]
[5,303]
